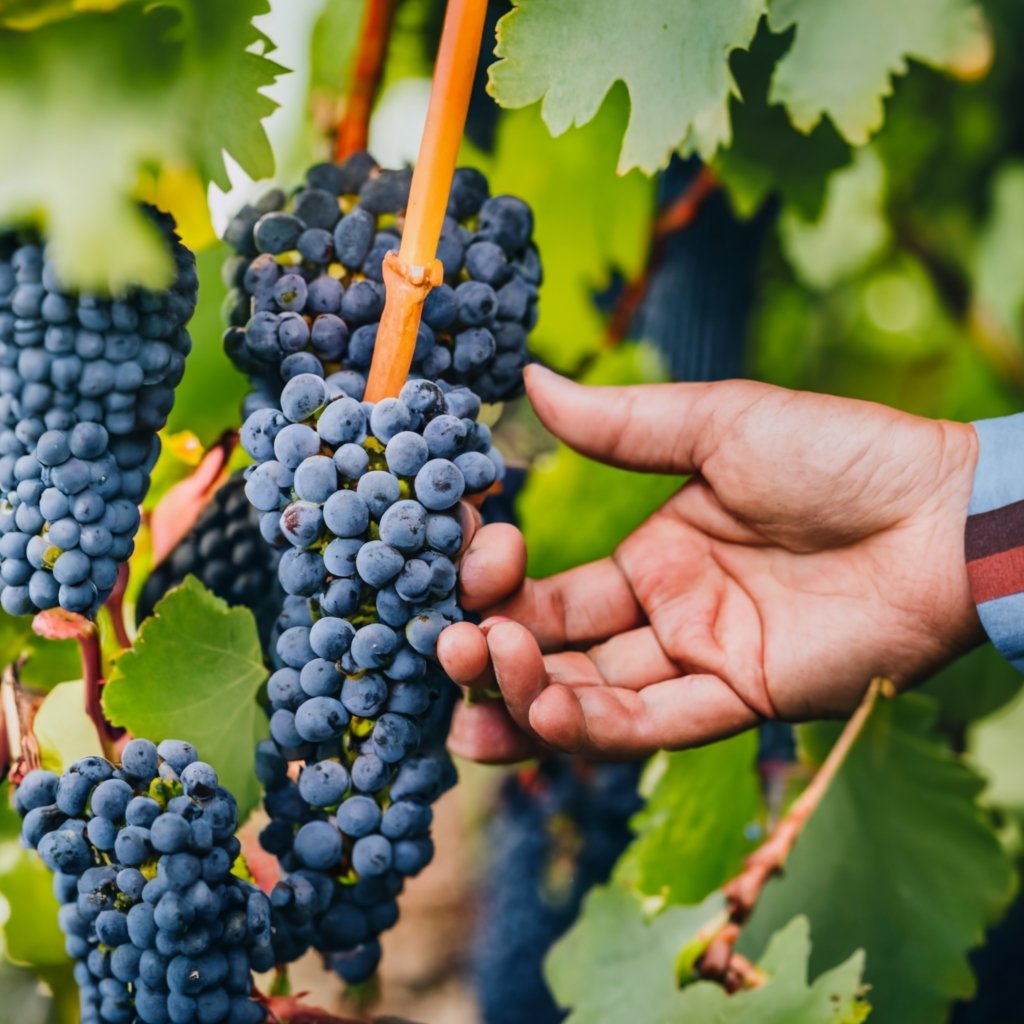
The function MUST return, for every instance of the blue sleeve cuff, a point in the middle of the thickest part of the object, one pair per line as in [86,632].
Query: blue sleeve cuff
[994,536]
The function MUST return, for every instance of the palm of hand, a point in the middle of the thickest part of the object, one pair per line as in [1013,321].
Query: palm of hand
[816,549]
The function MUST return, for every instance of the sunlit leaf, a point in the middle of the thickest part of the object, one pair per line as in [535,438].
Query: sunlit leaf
[194,674]
[672,55]
[844,55]
[898,859]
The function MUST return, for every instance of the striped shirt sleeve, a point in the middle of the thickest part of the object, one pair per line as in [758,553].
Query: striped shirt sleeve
[994,536]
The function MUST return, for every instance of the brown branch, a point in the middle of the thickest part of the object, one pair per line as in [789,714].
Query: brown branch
[675,217]
[719,960]
[368,68]
[18,708]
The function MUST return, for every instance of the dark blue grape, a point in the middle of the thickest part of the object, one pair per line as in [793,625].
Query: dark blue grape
[364,695]
[439,485]
[318,845]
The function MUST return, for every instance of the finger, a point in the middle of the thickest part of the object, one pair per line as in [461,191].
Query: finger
[462,651]
[485,732]
[580,606]
[493,566]
[657,427]
[632,660]
[470,520]
[518,669]
[611,722]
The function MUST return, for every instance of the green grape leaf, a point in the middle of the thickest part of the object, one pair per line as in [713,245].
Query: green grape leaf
[96,99]
[851,232]
[586,219]
[899,860]
[695,828]
[999,263]
[995,747]
[43,663]
[333,44]
[63,729]
[31,14]
[31,934]
[844,55]
[973,687]
[672,55]
[768,155]
[573,510]
[616,967]
[194,674]
[836,996]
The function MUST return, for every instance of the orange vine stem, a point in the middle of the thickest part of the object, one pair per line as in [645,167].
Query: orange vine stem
[374,35]
[411,274]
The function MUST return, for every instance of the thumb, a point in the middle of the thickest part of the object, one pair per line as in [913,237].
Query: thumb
[665,428]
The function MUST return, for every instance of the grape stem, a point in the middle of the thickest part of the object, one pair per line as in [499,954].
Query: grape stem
[115,606]
[720,961]
[414,270]
[367,69]
[675,217]
[92,675]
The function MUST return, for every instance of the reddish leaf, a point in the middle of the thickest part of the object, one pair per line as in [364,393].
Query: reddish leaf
[263,866]
[58,624]
[291,1010]
[182,505]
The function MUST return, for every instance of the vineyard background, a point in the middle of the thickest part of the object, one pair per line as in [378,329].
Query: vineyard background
[835,238]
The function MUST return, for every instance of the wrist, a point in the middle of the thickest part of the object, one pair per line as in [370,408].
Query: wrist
[958,620]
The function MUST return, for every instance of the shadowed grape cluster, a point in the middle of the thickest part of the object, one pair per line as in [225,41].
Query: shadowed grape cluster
[308,292]
[225,552]
[556,832]
[158,926]
[85,384]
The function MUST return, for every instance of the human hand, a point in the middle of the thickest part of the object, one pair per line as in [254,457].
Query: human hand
[819,544]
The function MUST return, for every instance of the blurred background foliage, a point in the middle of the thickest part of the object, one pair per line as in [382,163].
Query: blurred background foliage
[890,270]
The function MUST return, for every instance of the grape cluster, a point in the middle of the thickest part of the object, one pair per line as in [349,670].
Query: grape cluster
[557,831]
[307,284]
[158,926]
[225,551]
[366,498]
[85,384]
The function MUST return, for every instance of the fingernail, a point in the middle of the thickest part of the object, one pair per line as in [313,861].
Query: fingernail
[469,520]
[537,370]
